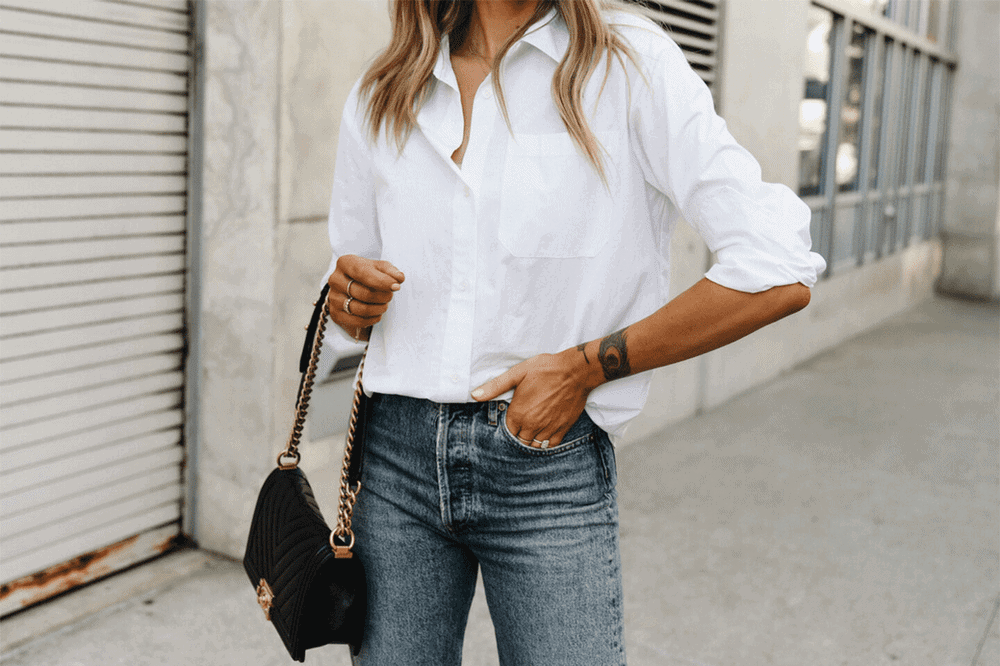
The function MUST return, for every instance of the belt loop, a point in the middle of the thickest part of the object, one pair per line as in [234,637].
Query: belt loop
[493,412]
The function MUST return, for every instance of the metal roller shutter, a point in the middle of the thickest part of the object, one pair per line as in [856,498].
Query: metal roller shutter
[694,25]
[93,173]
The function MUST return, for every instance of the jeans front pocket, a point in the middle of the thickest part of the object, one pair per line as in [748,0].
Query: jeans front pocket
[570,474]
[581,432]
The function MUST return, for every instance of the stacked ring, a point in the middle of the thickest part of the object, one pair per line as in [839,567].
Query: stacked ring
[347,305]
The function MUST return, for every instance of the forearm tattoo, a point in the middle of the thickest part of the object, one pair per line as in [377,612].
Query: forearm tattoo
[613,356]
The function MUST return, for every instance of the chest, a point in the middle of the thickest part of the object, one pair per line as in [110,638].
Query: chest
[470,72]
[525,189]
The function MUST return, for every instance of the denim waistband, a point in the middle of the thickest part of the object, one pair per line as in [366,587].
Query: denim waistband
[492,408]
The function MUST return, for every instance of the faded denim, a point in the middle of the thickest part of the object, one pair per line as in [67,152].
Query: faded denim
[447,489]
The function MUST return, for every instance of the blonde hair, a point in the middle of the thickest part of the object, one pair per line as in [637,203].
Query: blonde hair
[396,84]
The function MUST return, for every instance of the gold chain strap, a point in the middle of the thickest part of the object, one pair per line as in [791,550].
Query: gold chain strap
[348,495]
[302,405]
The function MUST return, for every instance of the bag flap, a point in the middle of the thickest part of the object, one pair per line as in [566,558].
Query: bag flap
[287,545]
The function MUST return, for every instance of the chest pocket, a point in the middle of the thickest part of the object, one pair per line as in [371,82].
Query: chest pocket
[553,202]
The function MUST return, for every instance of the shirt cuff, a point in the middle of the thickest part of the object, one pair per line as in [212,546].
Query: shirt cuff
[749,269]
[760,235]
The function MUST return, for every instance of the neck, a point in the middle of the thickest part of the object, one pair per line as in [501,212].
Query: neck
[494,21]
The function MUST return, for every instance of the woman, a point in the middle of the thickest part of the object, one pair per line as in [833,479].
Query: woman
[508,177]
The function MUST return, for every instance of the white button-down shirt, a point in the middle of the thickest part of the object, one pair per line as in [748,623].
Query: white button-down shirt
[522,249]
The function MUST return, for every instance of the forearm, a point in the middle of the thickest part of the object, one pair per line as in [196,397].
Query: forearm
[705,317]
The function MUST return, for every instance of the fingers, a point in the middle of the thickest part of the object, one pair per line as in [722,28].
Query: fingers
[547,399]
[375,275]
[508,381]
[355,313]
[340,283]
[388,269]
[500,384]
[544,438]
[351,323]
[360,291]
[358,308]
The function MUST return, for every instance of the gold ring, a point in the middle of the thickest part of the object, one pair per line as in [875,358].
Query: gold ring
[347,305]
[544,444]
[349,283]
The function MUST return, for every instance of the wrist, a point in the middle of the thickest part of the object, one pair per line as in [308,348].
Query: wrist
[587,371]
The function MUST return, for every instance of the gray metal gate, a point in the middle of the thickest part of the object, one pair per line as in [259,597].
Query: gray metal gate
[93,161]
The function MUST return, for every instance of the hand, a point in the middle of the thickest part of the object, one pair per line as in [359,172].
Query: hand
[369,284]
[550,392]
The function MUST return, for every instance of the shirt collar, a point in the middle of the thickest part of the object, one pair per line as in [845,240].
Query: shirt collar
[442,68]
[550,36]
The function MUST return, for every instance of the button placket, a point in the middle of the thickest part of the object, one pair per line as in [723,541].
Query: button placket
[458,330]
[461,306]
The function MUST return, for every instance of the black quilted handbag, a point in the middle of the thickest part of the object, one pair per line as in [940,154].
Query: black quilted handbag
[309,584]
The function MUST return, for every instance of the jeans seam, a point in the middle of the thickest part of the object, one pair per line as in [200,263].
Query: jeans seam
[442,472]
[605,453]
[618,600]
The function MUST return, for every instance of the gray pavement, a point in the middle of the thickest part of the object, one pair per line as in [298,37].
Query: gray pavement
[843,514]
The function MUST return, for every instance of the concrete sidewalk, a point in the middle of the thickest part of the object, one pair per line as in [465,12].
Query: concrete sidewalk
[844,514]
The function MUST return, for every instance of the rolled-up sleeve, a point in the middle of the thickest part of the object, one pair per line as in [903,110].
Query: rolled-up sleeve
[759,231]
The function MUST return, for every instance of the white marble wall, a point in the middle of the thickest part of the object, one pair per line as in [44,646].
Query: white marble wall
[276,76]
[972,210]
[326,46]
[763,60]
[237,274]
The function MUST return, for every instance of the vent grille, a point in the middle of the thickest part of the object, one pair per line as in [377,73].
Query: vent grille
[93,204]
[694,25]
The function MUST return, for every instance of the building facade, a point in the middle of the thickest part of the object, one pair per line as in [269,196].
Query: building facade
[165,181]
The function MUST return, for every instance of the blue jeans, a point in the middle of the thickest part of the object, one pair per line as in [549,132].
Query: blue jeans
[447,489]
